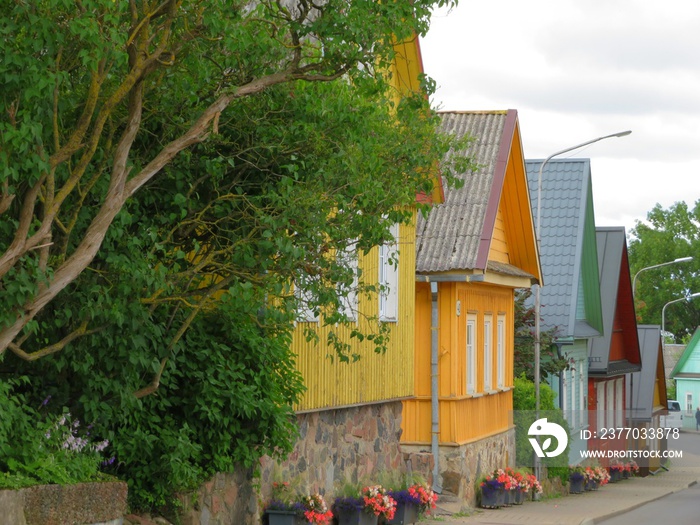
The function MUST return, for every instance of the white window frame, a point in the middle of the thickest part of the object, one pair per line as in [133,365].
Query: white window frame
[501,351]
[389,278]
[305,313]
[471,341]
[574,399]
[488,352]
[564,394]
[610,404]
[582,386]
[619,403]
[349,303]
[689,403]
[600,406]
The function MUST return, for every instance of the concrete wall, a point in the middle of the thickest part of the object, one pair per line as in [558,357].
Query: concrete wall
[80,504]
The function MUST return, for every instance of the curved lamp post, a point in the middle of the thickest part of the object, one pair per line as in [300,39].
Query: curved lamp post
[538,240]
[634,281]
[663,315]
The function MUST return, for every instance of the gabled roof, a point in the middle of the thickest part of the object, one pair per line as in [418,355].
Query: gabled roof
[571,293]
[641,384]
[617,350]
[688,365]
[457,235]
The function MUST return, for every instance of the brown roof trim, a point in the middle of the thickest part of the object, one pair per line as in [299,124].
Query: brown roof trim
[499,177]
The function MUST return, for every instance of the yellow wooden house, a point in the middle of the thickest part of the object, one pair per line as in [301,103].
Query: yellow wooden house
[472,252]
[350,415]
[375,378]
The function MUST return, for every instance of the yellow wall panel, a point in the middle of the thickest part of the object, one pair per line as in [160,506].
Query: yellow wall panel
[498,250]
[462,417]
[375,377]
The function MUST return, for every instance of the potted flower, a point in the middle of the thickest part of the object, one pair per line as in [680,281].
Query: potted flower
[633,467]
[412,502]
[287,507]
[535,486]
[577,477]
[522,487]
[492,490]
[510,485]
[364,508]
[615,470]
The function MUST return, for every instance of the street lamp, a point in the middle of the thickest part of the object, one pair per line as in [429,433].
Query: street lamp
[663,315]
[539,241]
[537,286]
[634,281]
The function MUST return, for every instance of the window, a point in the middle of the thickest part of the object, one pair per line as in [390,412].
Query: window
[619,404]
[471,353]
[610,404]
[689,403]
[304,298]
[564,394]
[389,278]
[348,293]
[501,350]
[574,399]
[582,391]
[488,352]
[600,406]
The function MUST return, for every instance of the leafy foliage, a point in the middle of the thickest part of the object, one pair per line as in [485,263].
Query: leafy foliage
[667,235]
[524,357]
[524,415]
[55,449]
[169,172]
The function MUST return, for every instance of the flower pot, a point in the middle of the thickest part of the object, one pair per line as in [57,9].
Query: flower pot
[575,485]
[281,517]
[405,513]
[592,485]
[520,496]
[501,498]
[490,498]
[356,517]
[625,474]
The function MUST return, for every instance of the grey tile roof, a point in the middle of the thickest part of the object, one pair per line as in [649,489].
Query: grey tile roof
[450,238]
[641,384]
[565,193]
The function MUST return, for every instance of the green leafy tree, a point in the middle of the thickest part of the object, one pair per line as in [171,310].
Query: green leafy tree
[667,234]
[524,415]
[169,172]
[524,357]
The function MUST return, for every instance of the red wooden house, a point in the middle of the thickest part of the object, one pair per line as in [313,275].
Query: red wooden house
[615,354]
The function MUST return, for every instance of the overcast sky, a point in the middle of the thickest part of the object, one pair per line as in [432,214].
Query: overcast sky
[576,70]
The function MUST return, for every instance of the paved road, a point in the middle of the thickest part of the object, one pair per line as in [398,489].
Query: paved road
[681,508]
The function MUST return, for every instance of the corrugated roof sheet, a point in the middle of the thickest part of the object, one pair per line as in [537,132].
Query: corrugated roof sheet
[641,384]
[448,238]
[565,189]
[612,246]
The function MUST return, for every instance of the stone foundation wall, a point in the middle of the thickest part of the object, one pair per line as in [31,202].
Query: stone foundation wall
[461,466]
[352,444]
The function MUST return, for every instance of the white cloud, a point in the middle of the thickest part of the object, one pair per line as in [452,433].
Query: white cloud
[578,70]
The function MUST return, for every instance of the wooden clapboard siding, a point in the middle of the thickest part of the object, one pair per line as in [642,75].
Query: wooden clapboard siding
[498,251]
[375,377]
[463,417]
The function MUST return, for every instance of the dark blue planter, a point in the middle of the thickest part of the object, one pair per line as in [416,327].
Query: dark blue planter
[356,517]
[405,513]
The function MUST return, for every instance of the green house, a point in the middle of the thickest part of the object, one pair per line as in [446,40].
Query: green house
[687,376]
